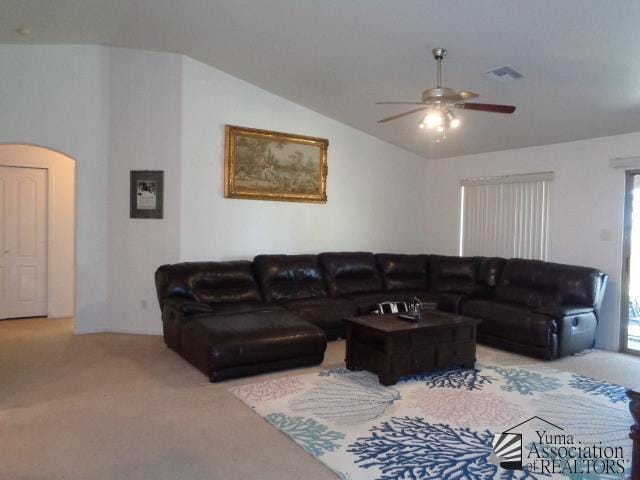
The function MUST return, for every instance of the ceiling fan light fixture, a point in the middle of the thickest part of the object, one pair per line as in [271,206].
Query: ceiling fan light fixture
[433,119]
[452,120]
[438,103]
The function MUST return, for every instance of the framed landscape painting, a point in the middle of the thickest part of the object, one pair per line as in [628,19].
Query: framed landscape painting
[265,165]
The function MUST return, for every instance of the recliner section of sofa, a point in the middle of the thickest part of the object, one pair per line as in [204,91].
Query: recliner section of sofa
[540,308]
[294,303]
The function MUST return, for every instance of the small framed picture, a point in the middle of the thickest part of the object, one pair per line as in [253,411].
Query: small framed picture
[146,193]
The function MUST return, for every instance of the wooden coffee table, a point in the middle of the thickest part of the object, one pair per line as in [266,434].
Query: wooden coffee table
[392,348]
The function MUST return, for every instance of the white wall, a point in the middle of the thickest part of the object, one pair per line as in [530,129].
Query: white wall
[115,110]
[61,220]
[144,134]
[588,198]
[375,191]
[58,97]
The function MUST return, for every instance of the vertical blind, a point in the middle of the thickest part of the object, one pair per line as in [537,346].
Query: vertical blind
[506,216]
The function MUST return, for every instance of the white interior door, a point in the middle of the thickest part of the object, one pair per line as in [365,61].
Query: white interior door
[23,242]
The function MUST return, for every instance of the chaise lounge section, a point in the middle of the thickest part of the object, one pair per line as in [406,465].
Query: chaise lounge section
[213,314]
[239,318]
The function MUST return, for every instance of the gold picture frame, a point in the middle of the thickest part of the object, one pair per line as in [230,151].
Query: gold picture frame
[267,165]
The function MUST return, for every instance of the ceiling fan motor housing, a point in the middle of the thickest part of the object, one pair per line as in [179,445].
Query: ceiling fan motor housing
[439,94]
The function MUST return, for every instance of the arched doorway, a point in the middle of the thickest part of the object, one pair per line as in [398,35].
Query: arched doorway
[57,171]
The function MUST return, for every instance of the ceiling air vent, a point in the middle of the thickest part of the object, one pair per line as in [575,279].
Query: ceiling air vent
[504,74]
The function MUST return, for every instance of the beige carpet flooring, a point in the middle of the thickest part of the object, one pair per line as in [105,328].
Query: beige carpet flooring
[112,406]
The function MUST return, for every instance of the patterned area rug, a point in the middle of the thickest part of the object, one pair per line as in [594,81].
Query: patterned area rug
[444,425]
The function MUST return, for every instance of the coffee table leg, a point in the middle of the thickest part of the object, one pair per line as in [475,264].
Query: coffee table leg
[387,380]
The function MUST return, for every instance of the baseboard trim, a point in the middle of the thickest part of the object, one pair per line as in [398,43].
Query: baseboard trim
[87,331]
[60,315]
[128,331]
[132,331]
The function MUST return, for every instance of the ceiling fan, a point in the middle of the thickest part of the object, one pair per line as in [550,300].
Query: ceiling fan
[439,100]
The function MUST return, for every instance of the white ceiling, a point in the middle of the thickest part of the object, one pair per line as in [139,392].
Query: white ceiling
[580,58]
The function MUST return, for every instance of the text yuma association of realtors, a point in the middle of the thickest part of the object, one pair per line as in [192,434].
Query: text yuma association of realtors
[560,453]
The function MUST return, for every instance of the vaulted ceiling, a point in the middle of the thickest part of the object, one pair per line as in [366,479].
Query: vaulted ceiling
[580,58]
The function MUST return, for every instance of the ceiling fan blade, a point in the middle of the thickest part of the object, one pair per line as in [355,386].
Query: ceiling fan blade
[388,119]
[399,103]
[487,107]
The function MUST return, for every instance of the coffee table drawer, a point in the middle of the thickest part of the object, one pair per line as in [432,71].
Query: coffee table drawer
[418,340]
[456,354]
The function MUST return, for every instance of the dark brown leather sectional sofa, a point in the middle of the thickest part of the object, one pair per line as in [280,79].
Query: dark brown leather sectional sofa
[238,318]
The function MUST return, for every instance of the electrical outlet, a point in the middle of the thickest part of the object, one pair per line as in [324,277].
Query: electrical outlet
[144,304]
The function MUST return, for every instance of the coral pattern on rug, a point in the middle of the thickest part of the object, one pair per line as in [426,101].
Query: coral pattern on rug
[439,425]
[409,447]
[525,382]
[474,409]
[269,390]
[452,378]
[615,393]
[346,399]
[314,437]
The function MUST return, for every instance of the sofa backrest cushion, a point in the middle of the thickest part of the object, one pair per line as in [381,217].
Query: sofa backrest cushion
[209,282]
[350,272]
[404,272]
[453,274]
[531,283]
[289,277]
[489,270]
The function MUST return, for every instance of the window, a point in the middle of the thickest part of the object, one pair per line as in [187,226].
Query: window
[506,216]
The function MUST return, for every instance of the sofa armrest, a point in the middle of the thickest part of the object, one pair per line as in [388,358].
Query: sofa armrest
[561,311]
[186,305]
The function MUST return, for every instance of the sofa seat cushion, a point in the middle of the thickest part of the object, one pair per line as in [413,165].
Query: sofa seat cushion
[218,342]
[326,313]
[424,296]
[511,322]
[243,307]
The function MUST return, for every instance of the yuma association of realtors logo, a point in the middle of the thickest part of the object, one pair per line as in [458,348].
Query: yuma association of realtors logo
[556,452]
